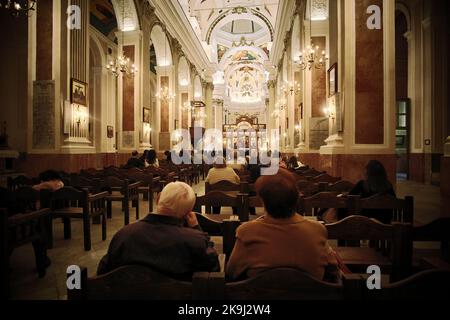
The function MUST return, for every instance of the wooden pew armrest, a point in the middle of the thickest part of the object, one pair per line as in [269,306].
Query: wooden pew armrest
[26,217]
[135,185]
[98,196]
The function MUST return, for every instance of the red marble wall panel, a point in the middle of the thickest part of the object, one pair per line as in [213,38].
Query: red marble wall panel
[185,115]
[44,37]
[417,167]
[319,83]
[351,167]
[33,164]
[128,96]
[369,107]
[164,107]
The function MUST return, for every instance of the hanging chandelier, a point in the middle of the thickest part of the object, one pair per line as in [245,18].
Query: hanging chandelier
[18,8]
[165,94]
[122,64]
[187,107]
[312,57]
[293,87]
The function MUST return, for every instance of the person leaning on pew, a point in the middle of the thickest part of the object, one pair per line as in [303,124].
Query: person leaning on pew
[169,241]
[49,180]
[281,238]
[376,182]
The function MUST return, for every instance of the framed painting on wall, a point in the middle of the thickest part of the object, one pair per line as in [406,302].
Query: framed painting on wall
[78,92]
[332,80]
[110,132]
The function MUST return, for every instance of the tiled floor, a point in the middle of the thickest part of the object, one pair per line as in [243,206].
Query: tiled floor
[26,285]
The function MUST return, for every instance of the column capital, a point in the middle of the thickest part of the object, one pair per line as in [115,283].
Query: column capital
[271,84]
[218,102]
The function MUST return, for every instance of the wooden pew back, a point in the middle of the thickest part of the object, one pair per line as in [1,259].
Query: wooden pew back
[133,282]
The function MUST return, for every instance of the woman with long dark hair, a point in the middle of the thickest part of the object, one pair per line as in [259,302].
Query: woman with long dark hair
[376,182]
[151,160]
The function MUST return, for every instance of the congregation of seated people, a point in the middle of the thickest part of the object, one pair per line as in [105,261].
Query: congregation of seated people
[172,241]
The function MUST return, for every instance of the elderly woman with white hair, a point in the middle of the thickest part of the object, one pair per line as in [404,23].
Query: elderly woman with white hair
[169,241]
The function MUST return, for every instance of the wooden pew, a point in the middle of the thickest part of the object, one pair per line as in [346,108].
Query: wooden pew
[325,178]
[221,226]
[287,284]
[220,199]
[397,260]
[149,185]
[224,186]
[19,230]
[402,209]
[121,191]
[16,183]
[427,285]
[69,203]
[325,200]
[340,186]
[436,231]
[137,282]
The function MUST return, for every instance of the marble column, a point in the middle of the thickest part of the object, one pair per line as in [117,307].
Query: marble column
[209,89]
[367,97]
[164,116]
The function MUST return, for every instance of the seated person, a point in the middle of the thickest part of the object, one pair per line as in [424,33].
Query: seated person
[281,238]
[376,182]
[168,155]
[151,159]
[169,241]
[293,163]
[221,172]
[50,180]
[135,161]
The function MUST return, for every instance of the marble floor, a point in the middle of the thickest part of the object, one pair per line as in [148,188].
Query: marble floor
[26,286]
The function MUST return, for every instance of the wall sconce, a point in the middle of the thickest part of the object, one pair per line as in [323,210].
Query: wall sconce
[80,115]
[329,113]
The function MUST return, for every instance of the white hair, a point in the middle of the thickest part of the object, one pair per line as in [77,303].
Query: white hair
[178,198]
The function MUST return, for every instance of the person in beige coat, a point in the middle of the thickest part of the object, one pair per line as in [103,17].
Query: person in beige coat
[281,238]
[222,172]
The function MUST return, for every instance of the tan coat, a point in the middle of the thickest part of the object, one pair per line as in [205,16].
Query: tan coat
[216,175]
[269,243]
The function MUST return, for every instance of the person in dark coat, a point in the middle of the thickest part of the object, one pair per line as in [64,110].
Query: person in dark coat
[169,241]
[376,182]
[135,161]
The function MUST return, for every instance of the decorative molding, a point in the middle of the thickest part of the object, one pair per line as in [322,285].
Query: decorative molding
[284,19]
[172,11]
[319,9]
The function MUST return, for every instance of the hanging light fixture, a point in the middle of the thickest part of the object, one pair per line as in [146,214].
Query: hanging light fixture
[18,8]
[312,57]
[122,64]
[165,94]
[293,87]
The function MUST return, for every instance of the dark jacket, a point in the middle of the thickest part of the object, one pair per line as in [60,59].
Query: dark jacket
[135,163]
[360,189]
[165,245]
